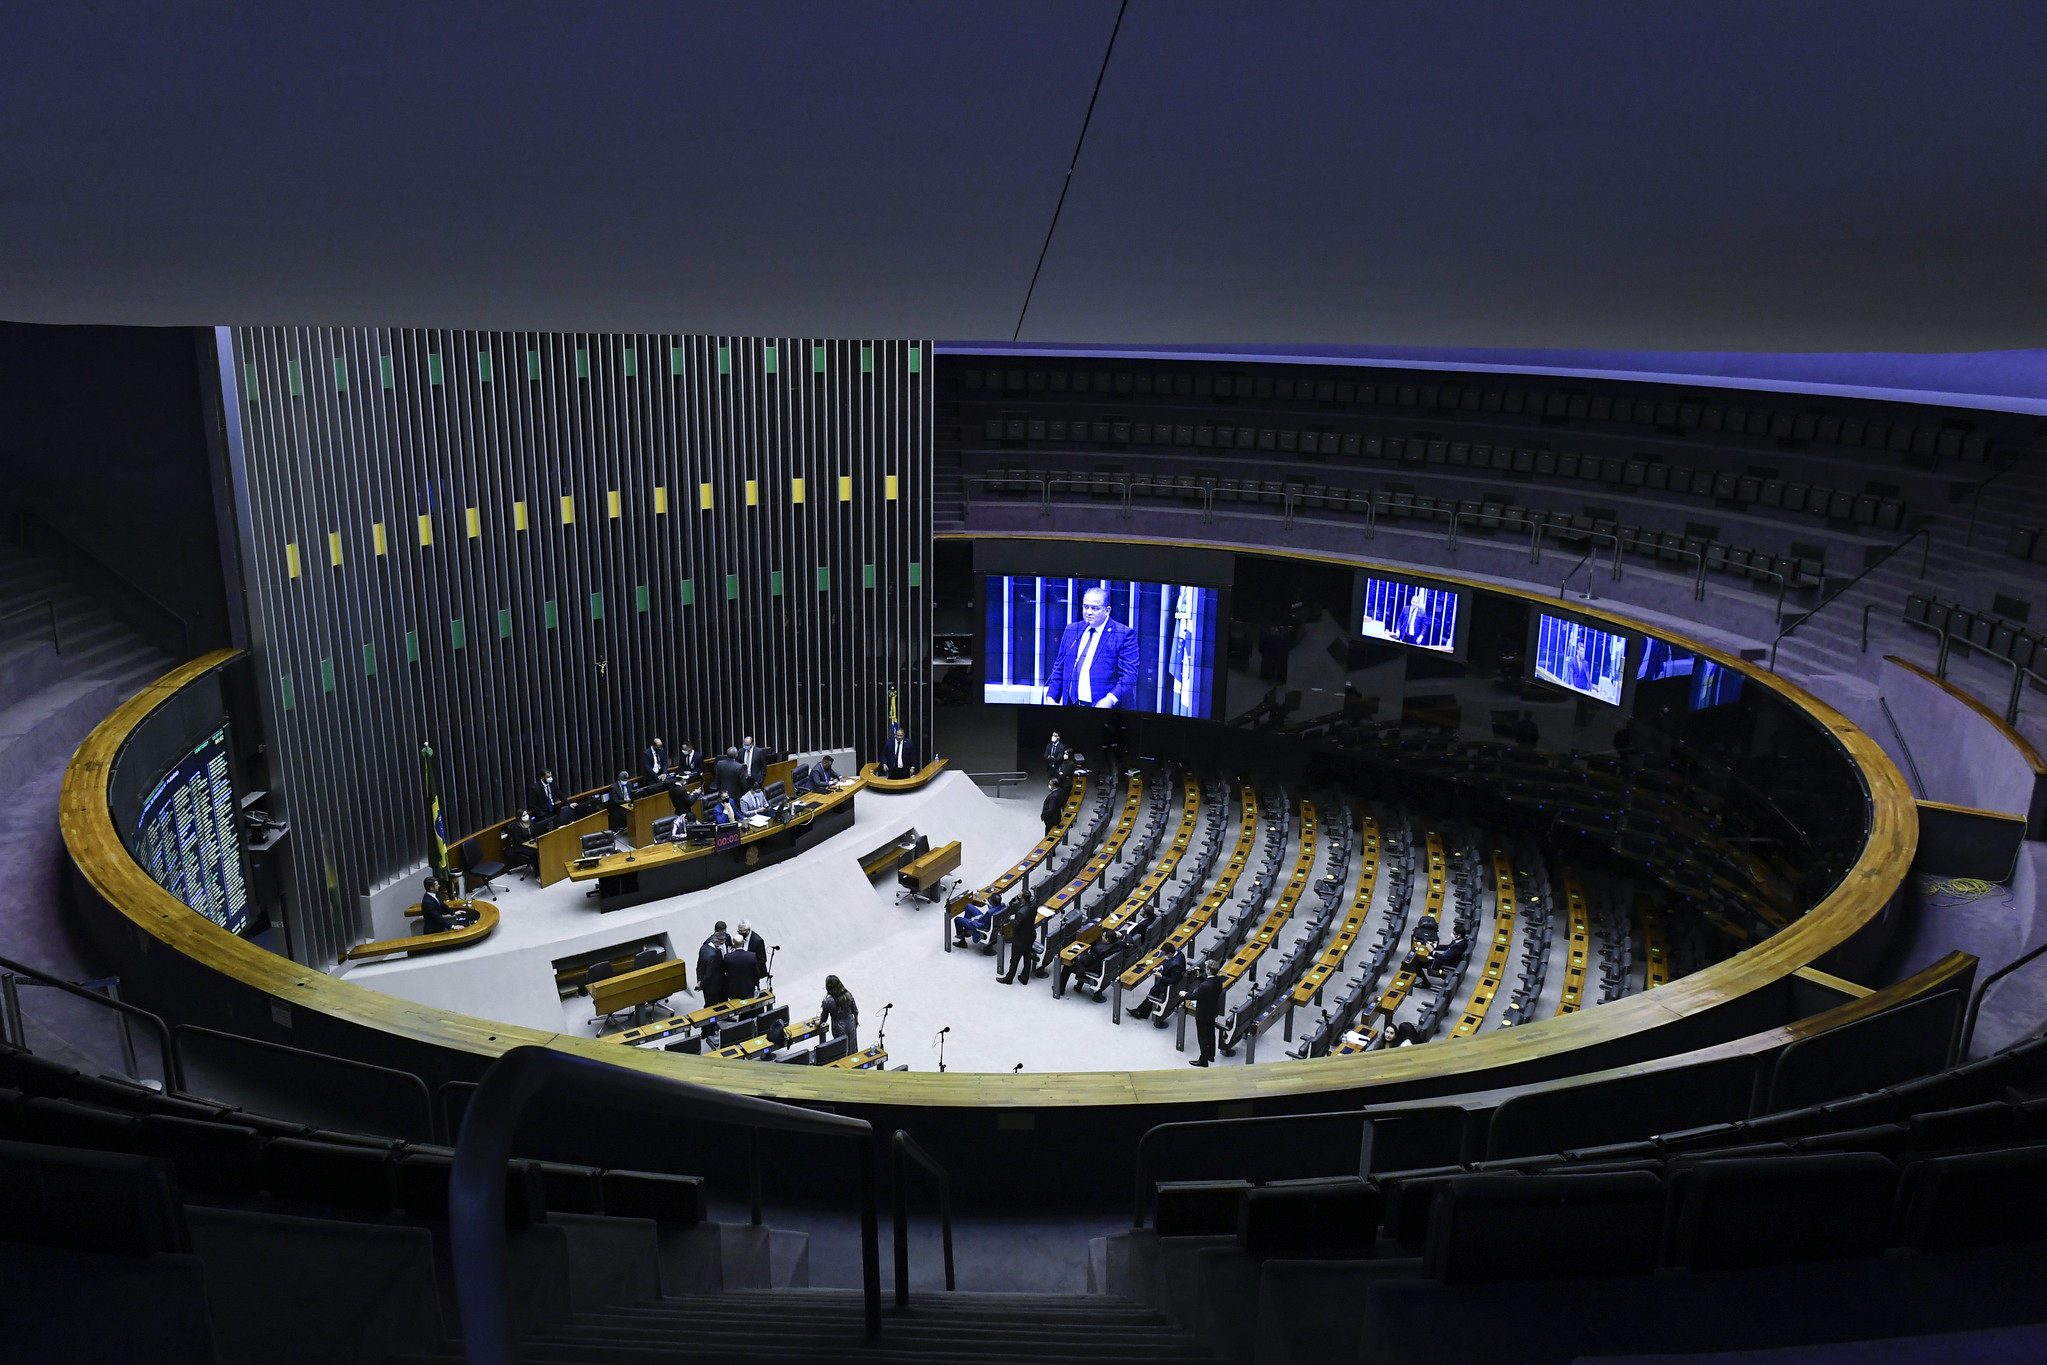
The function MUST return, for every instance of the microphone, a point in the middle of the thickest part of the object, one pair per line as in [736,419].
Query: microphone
[1017,1068]
[946,1029]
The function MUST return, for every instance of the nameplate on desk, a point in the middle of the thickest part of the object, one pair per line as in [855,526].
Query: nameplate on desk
[728,837]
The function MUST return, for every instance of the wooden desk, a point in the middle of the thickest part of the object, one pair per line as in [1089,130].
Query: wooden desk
[801,1032]
[486,920]
[644,812]
[627,989]
[923,874]
[683,1023]
[783,772]
[559,847]
[636,876]
[889,856]
[872,772]
[869,1060]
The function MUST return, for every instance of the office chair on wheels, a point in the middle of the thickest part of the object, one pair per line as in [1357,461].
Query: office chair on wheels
[476,873]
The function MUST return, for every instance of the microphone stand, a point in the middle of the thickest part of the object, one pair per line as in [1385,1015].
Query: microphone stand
[773,948]
[941,1048]
[881,1034]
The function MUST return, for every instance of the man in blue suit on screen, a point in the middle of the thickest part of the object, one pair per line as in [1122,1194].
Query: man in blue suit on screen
[1097,660]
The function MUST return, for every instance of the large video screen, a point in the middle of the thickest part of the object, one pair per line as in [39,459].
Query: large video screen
[1581,658]
[1410,614]
[1713,683]
[189,836]
[1090,641]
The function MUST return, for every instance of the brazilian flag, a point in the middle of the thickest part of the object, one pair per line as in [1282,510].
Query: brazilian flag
[437,820]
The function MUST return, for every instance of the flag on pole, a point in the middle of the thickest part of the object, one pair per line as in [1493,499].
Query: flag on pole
[437,823]
[895,710]
[1181,665]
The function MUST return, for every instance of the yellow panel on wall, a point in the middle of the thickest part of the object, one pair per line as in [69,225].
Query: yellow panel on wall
[377,538]
[753,492]
[845,488]
[889,486]
[334,548]
[426,529]
[568,509]
[796,490]
[660,500]
[519,516]
[704,496]
[475,523]
[291,558]
[611,504]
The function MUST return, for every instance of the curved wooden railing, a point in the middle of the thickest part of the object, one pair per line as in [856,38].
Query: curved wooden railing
[1862,894]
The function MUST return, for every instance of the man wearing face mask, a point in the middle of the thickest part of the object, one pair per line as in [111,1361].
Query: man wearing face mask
[1097,660]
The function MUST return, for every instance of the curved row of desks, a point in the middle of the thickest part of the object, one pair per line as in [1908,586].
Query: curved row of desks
[209,969]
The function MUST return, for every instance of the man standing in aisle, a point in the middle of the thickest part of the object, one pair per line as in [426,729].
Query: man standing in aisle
[1097,660]
[1207,997]
[1023,939]
[711,965]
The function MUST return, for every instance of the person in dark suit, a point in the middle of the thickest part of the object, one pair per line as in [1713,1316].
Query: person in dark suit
[1055,753]
[730,774]
[1022,935]
[1097,660]
[654,758]
[747,937]
[753,759]
[1207,997]
[436,914]
[1055,805]
[517,845]
[545,800]
[1171,972]
[899,756]
[823,777]
[622,789]
[687,761]
[711,965]
[742,974]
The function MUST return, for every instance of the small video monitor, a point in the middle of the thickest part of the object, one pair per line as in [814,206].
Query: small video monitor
[1406,613]
[1712,682]
[1580,657]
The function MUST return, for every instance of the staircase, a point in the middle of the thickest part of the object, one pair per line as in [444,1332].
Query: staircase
[49,701]
[827,1326]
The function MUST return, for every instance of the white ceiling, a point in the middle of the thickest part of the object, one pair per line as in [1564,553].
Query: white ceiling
[1675,176]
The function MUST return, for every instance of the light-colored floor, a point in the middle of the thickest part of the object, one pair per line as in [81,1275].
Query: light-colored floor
[828,919]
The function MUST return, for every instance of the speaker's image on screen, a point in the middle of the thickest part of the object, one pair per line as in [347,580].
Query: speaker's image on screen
[1582,658]
[1713,683]
[1152,649]
[188,836]
[1408,614]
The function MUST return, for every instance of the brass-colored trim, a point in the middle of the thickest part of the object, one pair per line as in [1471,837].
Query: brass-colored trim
[1978,811]
[2018,741]
[1831,982]
[1861,895]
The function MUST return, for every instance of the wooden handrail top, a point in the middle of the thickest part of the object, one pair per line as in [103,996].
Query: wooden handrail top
[486,920]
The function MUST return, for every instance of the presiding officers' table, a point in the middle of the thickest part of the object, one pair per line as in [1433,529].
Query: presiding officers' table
[636,876]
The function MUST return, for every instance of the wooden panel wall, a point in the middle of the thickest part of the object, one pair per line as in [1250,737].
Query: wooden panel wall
[539,549]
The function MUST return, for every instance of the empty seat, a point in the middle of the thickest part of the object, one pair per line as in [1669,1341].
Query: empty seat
[1977,1199]
[1523,1227]
[677,1199]
[1309,1217]
[1774,1209]
[109,1203]
[1197,1208]
[330,1174]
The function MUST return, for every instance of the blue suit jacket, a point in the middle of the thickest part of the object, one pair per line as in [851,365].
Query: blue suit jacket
[1115,665]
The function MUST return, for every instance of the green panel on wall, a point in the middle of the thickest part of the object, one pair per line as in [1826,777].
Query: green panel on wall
[632,363]
[457,633]
[582,363]
[866,575]
[369,660]
[249,381]
[596,606]
[549,614]
[824,579]
[917,358]
[675,360]
[483,367]
[817,360]
[867,360]
[293,378]
[916,574]
[533,364]
[640,597]
[731,587]
[412,646]
[326,675]
[774,582]
[284,690]
[384,368]
[504,623]
[724,360]
[433,367]
[689,592]
[340,374]
[768,357]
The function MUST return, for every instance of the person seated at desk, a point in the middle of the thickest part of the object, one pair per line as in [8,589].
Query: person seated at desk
[517,844]
[1170,974]
[545,799]
[899,756]
[722,812]
[436,915]
[754,802]
[973,924]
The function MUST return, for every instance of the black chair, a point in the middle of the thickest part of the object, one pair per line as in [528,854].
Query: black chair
[476,872]
[831,1052]
[775,792]
[664,828]
[598,844]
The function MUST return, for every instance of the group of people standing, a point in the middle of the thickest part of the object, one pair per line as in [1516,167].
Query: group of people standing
[732,965]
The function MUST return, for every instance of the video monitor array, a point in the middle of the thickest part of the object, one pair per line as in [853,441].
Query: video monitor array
[1581,658]
[1132,645]
[188,837]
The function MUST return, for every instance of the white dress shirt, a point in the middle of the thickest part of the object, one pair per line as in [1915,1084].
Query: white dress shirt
[1086,663]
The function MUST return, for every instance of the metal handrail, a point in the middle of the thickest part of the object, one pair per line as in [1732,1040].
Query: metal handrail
[1535,529]
[184,626]
[476,1187]
[1898,734]
[433,1130]
[906,1146]
[1001,780]
[1969,536]
[47,604]
[173,1069]
[1982,990]
[1565,585]
[1364,1155]
[1939,659]
[1867,570]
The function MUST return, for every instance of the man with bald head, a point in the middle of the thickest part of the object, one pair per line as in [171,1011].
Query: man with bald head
[1097,660]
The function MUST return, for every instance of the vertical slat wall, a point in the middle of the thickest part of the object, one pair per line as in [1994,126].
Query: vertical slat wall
[608,619]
